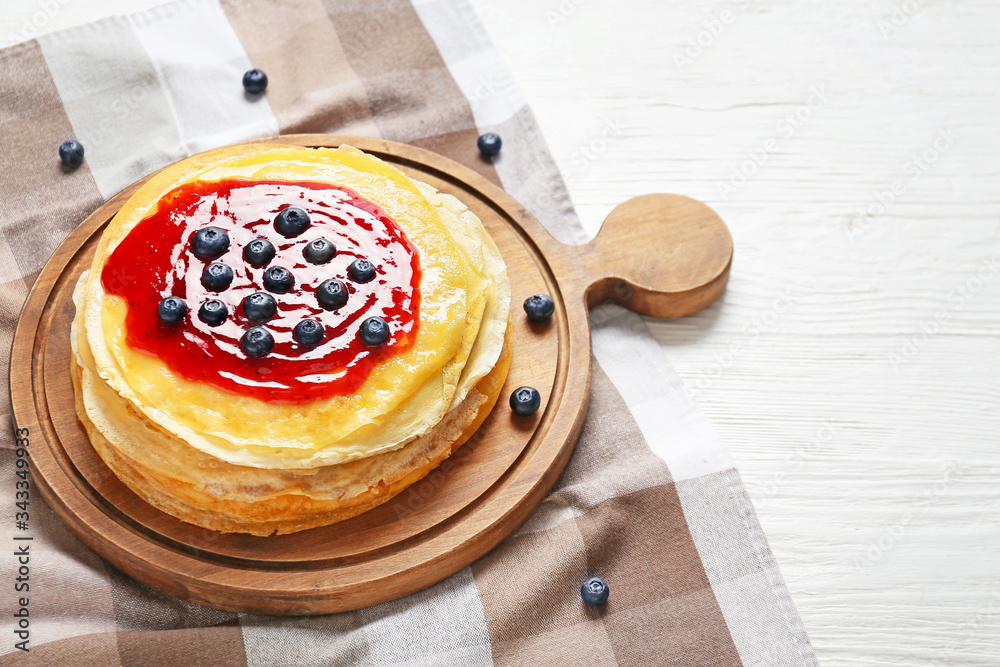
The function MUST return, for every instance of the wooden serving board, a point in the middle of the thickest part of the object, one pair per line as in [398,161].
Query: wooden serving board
[663,255]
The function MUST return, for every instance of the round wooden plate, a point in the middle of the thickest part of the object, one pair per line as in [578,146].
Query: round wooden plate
[663,255]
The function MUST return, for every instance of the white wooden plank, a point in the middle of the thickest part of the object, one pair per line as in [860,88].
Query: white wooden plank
[838,445]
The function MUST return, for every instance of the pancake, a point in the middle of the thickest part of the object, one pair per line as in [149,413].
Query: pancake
[246,431]
[237,462]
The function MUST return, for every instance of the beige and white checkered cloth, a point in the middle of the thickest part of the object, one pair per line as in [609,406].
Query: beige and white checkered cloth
[650,500]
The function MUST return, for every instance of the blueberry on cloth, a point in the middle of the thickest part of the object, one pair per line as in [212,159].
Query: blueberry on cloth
[361,271]
[308,332]
[489,144]
[594,591]
[257,342]
[217,276]
[254,81]
[374,331]
[71,153]
[332,293]
[172,310]
[539,308]
[209,242]
[291,221]
[258,252]
[213,312]
[260,306]
[319,251]
[278,279]
[525,401]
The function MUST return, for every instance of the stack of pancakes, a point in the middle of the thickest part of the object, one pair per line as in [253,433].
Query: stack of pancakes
[239,463]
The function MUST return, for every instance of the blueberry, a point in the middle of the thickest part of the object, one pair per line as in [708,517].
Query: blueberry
[332,293]
[260,306]
[172,310]
[374,331]
[213,312]
[254,81]
[361,271]
[319,251]
[594,591]
[308,332]
[217,276]
[278,279]
[539,307]
[525,401]
[257,342]
[291,221]
[489,144]
[71,153]
[209,242]
[258,252]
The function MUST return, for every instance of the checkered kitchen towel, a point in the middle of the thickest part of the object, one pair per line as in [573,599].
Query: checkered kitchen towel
[650,500]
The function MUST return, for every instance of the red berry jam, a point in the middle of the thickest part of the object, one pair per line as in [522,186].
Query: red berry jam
[155,261]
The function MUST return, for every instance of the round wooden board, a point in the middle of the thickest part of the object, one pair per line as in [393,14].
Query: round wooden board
[663,255]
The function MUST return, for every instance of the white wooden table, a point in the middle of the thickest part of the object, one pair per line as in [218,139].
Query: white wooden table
[853,364]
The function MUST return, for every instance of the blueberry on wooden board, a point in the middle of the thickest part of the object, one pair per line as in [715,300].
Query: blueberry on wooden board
[308,332]
[71,153]
[332,293]
[258,252]
[489,144]
[257,342]
[539,308]
[213,312]
[254,81]
[525,401]
[594,591]
[260,306]
[172,310]
[374,331]
[209,242]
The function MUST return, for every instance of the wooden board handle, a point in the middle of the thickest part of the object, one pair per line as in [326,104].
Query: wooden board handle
[660,255]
